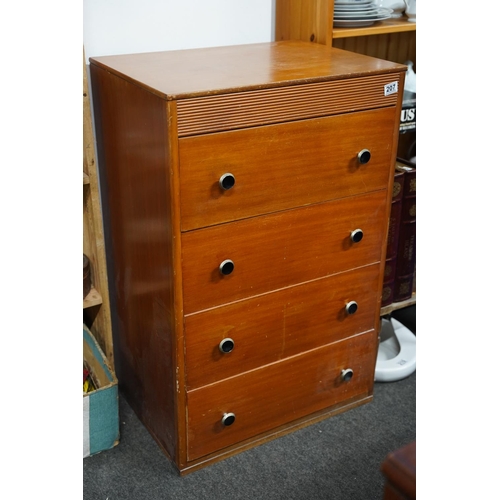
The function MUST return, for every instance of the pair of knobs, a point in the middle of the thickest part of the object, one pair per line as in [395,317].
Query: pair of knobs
[229,418]
[227,180]
[226,267]
[227,345]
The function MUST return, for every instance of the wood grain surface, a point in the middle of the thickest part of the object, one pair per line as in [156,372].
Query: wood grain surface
[282,249]
[283,166]
[271,327]
[278,393]
[180,74]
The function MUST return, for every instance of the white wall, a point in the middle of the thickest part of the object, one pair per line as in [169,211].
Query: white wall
[129,26]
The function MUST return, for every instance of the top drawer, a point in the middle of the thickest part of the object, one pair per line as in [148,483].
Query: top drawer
[282,166]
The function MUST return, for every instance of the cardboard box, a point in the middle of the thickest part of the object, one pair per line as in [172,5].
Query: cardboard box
[100,406]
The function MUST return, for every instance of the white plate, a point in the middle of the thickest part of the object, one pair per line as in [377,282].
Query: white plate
[357,23]
[351,15]
[363,15]
[358,11]
[354,7]
[352,24]
[347,2]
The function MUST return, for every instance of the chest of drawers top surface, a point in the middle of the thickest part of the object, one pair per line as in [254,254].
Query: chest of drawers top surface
[217,70]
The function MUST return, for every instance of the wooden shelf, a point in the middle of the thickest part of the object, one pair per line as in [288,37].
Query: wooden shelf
[86,178]
[379,28]
[398,305]
[312,21]
[93,298]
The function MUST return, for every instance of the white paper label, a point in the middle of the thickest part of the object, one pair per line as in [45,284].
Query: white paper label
[391,88]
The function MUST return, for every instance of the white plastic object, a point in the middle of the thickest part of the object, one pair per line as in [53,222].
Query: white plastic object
[396,357]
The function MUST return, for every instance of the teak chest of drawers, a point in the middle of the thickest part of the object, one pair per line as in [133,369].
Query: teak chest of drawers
[246,193]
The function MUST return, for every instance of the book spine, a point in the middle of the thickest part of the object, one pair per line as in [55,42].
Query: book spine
[393,239]
[406,255]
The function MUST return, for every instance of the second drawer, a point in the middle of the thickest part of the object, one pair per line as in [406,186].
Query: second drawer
[241,259]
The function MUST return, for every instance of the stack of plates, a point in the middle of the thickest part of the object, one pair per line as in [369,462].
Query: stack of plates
[356,13]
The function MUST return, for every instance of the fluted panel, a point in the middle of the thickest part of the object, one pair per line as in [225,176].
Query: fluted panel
[261,107]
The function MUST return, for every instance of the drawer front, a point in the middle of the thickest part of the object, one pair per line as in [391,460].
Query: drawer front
[279,393]
[229,340]
[279,250]
[283,166]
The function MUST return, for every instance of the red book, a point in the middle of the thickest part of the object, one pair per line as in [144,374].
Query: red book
[406,253]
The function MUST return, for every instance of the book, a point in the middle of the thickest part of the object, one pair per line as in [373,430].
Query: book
[393,238]
[406,253]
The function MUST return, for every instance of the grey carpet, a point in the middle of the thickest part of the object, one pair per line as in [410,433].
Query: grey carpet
[336,459]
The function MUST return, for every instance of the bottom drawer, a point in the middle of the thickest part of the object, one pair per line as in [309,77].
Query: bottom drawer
[279,393]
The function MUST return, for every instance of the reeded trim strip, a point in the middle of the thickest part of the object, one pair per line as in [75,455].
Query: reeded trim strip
[262,107]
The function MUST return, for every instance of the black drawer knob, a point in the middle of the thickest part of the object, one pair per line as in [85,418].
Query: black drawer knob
[226,267]
[364,156]
[351,307]
[347,374]
[356,235]
[228,419]
[226,181]
[226,345]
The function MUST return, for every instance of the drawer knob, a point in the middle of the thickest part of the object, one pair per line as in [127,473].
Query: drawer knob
[226,345]
[347,374]
[226,181]
[351,307]
[364,156]
[228,419]
[226,267]
[356,235]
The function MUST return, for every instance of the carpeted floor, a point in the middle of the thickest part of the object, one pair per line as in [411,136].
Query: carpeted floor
[336,459]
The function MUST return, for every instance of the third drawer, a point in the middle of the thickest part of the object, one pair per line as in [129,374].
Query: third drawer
[232,339]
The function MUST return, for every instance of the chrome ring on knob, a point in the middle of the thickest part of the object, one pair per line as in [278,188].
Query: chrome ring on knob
[227,181]
[347,374]
[226,267]
[357,235]
[351,307]
[228,419]
[364,156]
[226,345]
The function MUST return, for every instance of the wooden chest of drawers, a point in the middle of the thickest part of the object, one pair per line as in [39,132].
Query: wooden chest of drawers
[245,199]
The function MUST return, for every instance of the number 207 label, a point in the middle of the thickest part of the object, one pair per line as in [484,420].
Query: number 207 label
[391,88]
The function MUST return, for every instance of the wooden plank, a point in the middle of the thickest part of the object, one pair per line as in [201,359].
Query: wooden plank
[93,298]
[99,320]
[398,305]
[306,20]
